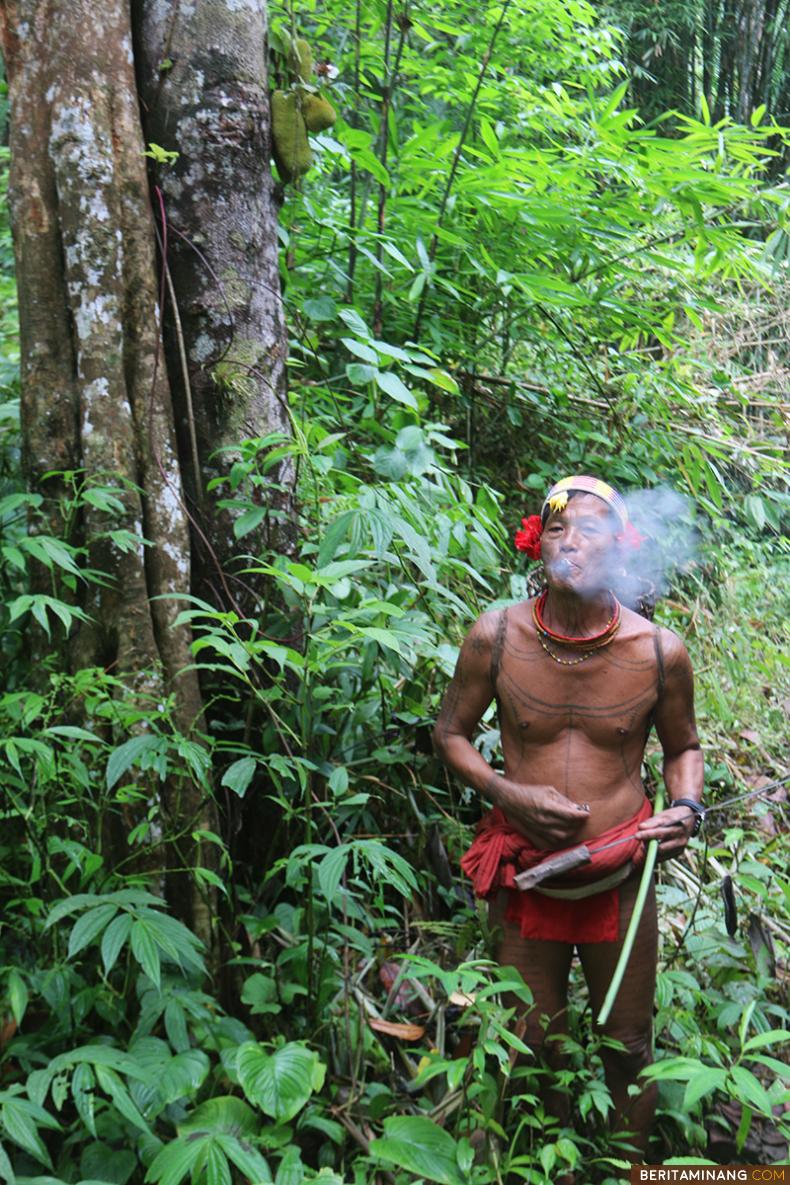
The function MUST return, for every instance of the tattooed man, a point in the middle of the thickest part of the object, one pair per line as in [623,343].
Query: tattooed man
[578,680]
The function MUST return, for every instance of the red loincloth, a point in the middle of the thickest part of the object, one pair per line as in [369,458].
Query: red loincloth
[499,852]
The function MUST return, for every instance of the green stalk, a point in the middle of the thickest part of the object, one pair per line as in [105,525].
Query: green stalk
[636,917]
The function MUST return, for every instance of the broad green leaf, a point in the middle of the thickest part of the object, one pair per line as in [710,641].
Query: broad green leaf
[419,1146]
[238,776]
[248,521]
[391,385]
[705,1082]
[259,993]
[360,350]
[125,756]
[290,1170]
[320,308]
[223,1114]
[331,869]
[280,1083]
[183,1075]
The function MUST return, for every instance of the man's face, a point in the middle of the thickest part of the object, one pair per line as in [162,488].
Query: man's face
[578,546]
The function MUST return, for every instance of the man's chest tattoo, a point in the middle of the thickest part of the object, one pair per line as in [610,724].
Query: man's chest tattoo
[524,700]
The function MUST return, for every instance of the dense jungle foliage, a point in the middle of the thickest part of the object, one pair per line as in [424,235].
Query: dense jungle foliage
[495,272]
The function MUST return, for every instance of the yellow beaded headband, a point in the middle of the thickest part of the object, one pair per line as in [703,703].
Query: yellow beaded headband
[557,497]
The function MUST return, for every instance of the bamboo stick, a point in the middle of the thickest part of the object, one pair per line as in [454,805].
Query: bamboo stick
[636,917]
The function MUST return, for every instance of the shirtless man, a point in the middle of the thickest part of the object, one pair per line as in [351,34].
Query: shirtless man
[578,681]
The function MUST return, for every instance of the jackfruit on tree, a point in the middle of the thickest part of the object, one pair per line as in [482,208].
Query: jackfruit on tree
[301,59]
[290,146]
[318,113]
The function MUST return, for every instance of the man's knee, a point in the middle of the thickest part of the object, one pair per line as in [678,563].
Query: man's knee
[627,1051]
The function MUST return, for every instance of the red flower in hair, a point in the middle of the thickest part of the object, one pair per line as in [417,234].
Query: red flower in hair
[631,538]
[528,539]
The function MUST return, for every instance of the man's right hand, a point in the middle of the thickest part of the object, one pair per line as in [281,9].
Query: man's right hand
[542,813]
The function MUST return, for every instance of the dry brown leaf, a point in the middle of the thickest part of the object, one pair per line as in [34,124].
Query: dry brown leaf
[461,1000]
[391,1029]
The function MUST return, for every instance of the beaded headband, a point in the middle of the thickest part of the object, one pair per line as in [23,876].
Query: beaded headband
[557,497]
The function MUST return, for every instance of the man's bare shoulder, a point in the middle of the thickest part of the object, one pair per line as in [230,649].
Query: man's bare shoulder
[486,633]
[670,646]
[487,637]
[673,649]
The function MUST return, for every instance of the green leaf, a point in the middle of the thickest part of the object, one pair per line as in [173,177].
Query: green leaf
[146,951]
[320,308]
[774,1037]
[747,1089]
[82,1083]
[238,776]
[360,373]
[215,1165]
[173,1162]
[109,1081]
[279,1083]
[6,1168]
[16,1117]
[102,1163]
[360,349]
[384,637]
[113,940]
[674,1069]
[391,385]
[183,1075]
[334,535]
[223,1114]
[488,136]
[419,1146]
[249,520]
[259,993]
[90,926]
[290,1170]
[247,1159]
[710,1079]
[17,995]
[440,378]
[125,756]
[331,869]
[338,780]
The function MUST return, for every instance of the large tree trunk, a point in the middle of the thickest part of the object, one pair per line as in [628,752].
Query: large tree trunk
[96,392]
[203,81]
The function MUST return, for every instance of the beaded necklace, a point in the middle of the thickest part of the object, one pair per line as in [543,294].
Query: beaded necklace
[588,644]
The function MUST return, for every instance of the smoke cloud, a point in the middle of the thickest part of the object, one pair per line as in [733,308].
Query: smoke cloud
[665,519]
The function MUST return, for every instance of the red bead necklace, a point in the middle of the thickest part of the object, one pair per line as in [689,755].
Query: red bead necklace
[592,641]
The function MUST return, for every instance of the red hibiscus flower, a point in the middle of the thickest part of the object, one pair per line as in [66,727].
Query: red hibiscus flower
[528,539]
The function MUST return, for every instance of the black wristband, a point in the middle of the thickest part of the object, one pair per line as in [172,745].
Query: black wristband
[696,807]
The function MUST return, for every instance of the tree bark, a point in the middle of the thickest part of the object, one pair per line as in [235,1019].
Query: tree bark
[202,71]
[749,47]
[95,393]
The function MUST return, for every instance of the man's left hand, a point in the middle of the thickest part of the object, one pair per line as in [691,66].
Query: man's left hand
[672,828]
